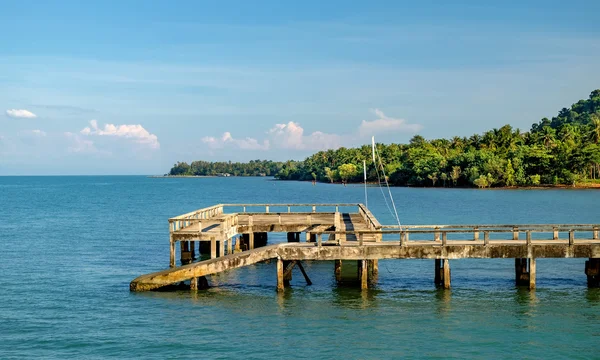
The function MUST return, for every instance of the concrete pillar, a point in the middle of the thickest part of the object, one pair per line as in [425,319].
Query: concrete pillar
[280,286]
[213,248]
[338,270]
[521,273]
[438,272]
[373,270]
[202,283]
[446,274]
[363,274]
[251,241]
[172,254]
[186,255]
[193,249]
[532,274]
[194,284]
[592,270]
[221,248]
[229,246]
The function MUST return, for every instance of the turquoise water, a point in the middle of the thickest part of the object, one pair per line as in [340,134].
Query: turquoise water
[70,246]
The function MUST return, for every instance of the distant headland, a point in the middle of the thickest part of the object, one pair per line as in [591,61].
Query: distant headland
[560,152]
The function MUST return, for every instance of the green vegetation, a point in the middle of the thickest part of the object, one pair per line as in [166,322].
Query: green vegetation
[564,150]
[205,168]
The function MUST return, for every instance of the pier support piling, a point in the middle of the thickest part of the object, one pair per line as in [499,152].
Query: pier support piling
[172,254]
[280,283]
[363,274]
[438,272]
[446,276]
[186,255]
[525,272]
[532,273]
[338,270]
[592,270]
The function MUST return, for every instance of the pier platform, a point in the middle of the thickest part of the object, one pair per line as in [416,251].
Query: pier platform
[236,235]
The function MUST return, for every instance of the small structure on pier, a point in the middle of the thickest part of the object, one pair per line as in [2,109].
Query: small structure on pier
[351,237]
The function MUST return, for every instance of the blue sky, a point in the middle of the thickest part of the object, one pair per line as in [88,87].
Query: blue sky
[130,87]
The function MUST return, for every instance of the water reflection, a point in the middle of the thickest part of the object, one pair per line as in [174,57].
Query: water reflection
[526,301]
[592,295]
[443,301]
[354,298]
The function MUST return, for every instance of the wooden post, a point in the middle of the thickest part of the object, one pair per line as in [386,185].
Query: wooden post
[515,233]
[555,234]
[444,238]
[360,239]
[528,237]
[267,209]
[486,237]
[476,234]
[364,273]
[436,234]
[446,274]
[213,248]
[314,208]
[280,286]
[595,234]
[532,273]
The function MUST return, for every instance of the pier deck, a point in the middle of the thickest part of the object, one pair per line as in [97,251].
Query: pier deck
[349,232]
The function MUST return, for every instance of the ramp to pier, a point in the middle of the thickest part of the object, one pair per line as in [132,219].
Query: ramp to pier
[181,273]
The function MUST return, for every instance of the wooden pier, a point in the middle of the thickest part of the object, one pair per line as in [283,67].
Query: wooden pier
[349,235]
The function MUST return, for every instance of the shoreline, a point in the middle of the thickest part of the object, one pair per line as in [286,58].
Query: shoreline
[578,186]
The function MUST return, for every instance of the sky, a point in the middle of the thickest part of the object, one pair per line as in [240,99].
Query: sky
[131,87]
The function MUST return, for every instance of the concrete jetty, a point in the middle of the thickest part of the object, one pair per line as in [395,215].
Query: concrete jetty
[350,236]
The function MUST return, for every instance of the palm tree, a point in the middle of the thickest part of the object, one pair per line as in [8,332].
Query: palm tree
[433,177]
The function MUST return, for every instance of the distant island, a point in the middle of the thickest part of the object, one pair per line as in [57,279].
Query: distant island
[562,151]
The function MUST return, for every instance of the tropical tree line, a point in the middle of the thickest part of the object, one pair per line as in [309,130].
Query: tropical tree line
[561,150]
[207,168]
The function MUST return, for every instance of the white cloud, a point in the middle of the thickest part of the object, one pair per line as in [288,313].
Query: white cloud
[135,132]
[291,136]
[20,114]
[246,144]
[79,145]
[385,124]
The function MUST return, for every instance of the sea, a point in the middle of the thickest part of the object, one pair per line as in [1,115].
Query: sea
[71,245]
